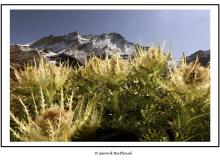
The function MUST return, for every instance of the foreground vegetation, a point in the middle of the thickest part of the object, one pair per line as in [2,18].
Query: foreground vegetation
[113,99]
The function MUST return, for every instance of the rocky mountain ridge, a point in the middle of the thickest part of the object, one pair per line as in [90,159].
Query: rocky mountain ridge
[75,48]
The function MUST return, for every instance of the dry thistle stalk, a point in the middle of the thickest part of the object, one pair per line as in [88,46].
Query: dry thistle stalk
[57,122]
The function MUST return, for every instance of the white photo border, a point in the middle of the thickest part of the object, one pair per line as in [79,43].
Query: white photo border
[5,72]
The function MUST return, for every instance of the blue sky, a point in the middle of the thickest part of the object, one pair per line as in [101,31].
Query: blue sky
[186,30]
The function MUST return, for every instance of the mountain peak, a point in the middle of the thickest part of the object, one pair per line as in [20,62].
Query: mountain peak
[87,43]
[81,46]
[73,35]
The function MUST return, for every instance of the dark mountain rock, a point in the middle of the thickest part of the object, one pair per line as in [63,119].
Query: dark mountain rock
[22,55]
[54,43]
[63,58]
[203,56]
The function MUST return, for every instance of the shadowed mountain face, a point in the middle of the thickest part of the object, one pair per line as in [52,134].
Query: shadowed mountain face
[203,56]
[20,56]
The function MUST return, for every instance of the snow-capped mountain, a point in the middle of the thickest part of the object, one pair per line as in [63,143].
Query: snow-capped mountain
[81,46]
[87,43]
[75,48]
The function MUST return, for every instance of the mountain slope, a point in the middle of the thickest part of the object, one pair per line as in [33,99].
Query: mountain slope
[20,56]
[204,57]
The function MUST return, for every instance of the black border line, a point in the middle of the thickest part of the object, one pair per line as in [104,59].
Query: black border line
[218,74]
[117,5]
[1,75]
[130,4]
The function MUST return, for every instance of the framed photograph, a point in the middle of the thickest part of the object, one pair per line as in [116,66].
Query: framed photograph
[110,75]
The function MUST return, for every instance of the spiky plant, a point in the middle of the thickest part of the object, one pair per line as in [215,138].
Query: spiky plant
[57,122]
[184,99]
[140,97]
[152,60]
[190,78]
[49,76]
[137,98]
[113,69]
